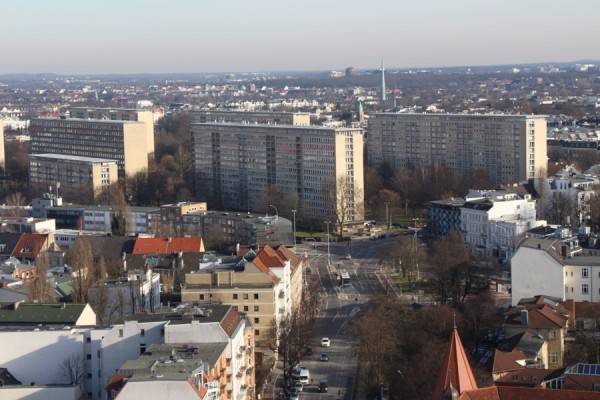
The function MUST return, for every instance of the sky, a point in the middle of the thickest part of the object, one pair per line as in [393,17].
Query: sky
[201,36]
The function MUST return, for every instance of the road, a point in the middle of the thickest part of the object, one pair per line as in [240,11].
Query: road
[339,308]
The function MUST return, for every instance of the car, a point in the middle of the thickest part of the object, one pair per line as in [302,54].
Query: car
[293,391]
[298,386]
[294,396]
[347,257]
[323,386]
[325,342]
[324,357]
[309,351]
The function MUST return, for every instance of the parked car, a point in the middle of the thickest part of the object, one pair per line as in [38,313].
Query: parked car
[324,357]
[323,386]
[298,386]
[325,342]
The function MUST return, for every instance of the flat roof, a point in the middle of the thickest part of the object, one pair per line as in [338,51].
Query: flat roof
[59,157]
[281,126]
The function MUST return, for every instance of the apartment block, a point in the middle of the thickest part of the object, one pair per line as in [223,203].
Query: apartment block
[250,117]
[266,285]
[510,148]
[235,163]
[120,114]
[87,174]
[123,141]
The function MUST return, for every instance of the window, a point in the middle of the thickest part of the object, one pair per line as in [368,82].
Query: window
[553,357]
[584,289]
[245,296]
[235,296]
[584,272]
[88,357]
[201,297]
[571,273]
[255,296]
[257,308]
[245,308]
[120,332]
[256,320]
[256,332]
[551,334]
[142,332]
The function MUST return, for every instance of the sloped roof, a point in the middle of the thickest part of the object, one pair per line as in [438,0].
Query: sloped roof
[40,313]
[581,382]
[455,369]
[168,245]
[231,321]
[530,377]
[9,240]
[587,310]
[507,361]
[30,245]
[110,247]
[540,316]
[525,393]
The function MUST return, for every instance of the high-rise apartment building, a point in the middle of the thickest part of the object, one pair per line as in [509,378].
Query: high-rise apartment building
[510,148]
[250,117]
[80,173]
[120,114]
[123,141]
[235,163]
[2,156]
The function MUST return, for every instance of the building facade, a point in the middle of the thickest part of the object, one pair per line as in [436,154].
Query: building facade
[123,141]
[236,163]
[120,114]
[247,117]
[510,148]
[80,173]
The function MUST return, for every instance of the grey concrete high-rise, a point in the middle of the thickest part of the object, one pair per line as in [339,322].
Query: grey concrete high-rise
[236,163]
[509,148]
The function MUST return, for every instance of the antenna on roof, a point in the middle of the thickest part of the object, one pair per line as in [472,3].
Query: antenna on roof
[454,317]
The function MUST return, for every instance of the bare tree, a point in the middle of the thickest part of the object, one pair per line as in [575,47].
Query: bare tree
[80,259]
[39,290]
[286,339]
[71,371]
[16,201]
[542,187]
[345,200]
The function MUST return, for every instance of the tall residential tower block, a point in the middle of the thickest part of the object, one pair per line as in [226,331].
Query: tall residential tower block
[123,141]
[237,163]
[509,148]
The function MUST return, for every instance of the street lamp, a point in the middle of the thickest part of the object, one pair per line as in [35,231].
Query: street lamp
[294,212]
[415,246]
[387,215]
[401,376]
[328,254]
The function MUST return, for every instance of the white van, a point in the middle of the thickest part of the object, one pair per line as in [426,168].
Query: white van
[301,374]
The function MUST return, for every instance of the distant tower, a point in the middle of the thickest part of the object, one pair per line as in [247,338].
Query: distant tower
[383,98]
[360,112]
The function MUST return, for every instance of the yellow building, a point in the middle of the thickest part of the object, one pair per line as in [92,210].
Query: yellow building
[266,285]
[124,141]
[80,173]
[120,114]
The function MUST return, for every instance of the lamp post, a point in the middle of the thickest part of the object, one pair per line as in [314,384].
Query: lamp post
[401,376]
[328,254]
[415,246]
[294,227]
[275,208]
[387,215]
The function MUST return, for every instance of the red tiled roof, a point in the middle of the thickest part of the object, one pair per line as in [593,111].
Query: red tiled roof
[168,245]
[506,361]
[231,321]
[529,377]
[455,369]
[30,245]
[525,393]
[581,382]
[587,310]
[541,316]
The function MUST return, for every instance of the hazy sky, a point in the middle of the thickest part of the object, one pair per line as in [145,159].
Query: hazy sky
[135,36]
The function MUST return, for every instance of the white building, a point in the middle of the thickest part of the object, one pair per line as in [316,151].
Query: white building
[557,268]
[493,221]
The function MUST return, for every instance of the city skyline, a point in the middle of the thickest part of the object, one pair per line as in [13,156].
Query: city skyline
[68,37]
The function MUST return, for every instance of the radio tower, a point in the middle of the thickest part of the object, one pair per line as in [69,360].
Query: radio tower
[383,98]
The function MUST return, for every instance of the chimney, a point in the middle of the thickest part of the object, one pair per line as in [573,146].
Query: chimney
[563,251]
[539,245]
[524,317]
